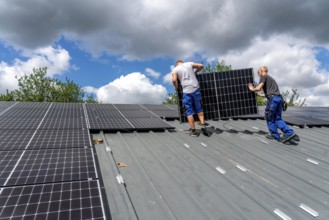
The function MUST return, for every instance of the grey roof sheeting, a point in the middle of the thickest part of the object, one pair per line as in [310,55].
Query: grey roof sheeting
[234,174]
[170,175]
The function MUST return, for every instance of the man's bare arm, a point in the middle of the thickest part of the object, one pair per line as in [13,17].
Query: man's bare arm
[198,67]
[257,88]
[174,80]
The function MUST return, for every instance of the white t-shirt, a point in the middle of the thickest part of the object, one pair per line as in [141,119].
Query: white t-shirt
[187,77]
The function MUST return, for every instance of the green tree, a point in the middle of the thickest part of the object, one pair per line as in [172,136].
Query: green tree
[37,87]
[9,96]
[293,100]
[171,99]
[217,67]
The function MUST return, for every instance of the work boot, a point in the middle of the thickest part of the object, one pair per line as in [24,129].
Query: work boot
[269,136]
[296,138]
[286,138]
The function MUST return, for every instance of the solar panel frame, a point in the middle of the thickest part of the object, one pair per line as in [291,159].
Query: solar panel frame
[13,140]
[46,166]
[63,123]
[65,113]
[128,106]
[224,95]
[132,113]
[167,114]
[19,123]
[149,124]
[110,124]
[68,200]
[157,107]
[303,121]
[25,113]
[4,105]
[52,139]
[36,105]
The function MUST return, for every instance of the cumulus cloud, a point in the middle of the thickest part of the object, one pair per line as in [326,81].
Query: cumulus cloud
[150,72]
[134,88]
[57,60]
[146,29]
[291,61]
[243,33]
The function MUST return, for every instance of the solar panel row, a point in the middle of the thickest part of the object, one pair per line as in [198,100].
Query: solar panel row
[47,163]
[115,117]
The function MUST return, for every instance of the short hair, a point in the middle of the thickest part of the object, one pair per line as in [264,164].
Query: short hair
[264,68]
[179,61]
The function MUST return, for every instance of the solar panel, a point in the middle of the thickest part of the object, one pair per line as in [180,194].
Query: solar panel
[70,200]
[46,166]
[19,123]
[110,124]
[6,104]
[303,121]
[37,105]
[91,106]
[171,114]
[43,139]
[129,113]
[158,107]
[105,113]
[67,105]
[63,123]
[123,117]
[46,139]
[25,113]
[65,113]
[149,124]
[127,106]
[224,94]
[14,140]
[45,149]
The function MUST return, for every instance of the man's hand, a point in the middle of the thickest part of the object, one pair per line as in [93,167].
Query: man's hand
[251,87]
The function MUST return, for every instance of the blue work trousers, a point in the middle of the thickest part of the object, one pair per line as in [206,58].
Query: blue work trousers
[273,112]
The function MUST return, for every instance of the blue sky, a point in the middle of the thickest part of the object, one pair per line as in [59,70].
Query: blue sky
[123,51]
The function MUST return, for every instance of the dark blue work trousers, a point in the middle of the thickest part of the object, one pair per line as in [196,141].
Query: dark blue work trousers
[273,112]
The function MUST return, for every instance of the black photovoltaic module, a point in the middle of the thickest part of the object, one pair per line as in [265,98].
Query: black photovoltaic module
[46,166]
[66,200]
[224,94]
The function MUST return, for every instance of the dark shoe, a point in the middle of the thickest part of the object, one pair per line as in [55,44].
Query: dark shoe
[285,138]
[194,133]
[296,138]
[204,131]
[269,136]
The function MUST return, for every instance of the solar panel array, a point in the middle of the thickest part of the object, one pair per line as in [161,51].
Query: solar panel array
[224,95]
[124,117]
[307,116]
[47,162]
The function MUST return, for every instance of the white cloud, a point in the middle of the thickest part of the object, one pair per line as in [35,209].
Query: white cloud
[243,33]
[57,60]
[134,88]
[147,29]
[167,79]
[150,72]
[291,61]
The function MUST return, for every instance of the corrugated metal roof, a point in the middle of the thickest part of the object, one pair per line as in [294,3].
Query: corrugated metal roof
[170,175]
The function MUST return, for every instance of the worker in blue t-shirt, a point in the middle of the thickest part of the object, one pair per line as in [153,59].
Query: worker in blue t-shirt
[274,106]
